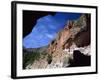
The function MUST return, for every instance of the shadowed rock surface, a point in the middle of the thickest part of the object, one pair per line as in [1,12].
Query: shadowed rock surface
[79,59]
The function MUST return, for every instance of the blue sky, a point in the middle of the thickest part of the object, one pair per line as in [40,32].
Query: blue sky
[47,28]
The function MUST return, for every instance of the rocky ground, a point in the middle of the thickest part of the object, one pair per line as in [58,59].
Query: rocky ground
[72,47]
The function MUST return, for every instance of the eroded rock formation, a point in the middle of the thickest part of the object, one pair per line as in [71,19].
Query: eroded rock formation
[74,36]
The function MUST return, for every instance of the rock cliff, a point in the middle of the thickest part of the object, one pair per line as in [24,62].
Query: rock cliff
[75,36]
